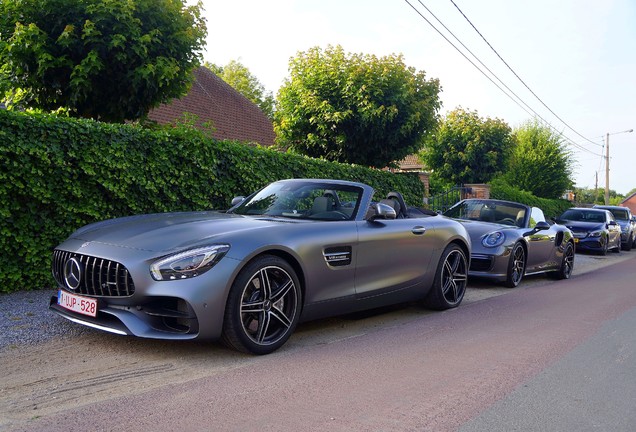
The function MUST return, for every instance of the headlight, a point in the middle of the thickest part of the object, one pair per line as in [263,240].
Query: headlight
[188,264]
[493,239]
[595,234]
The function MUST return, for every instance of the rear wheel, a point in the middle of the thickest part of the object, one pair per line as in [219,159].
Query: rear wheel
[263,306]
[567,264]
[628,244]
[451,278]
[516,266]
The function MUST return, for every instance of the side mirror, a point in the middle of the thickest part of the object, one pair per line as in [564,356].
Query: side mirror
[612,223]
[383,211]
[540,226]
[237,200]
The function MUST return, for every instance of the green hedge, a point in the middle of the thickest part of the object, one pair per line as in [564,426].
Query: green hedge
[57,174]
[499,189]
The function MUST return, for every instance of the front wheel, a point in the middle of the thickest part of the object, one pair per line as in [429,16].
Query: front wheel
[628,244]
[263,306]
[605,247]
[451,278]
[567,264]
[516,266]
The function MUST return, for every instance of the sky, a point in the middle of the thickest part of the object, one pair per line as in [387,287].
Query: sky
[576,59]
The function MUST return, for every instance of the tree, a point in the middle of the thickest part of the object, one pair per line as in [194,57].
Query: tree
[354,108]
[597,196]
[111,60]
[242,80]
[540,162]
[467,148]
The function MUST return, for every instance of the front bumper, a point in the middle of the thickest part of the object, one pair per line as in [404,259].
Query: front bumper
[162,318]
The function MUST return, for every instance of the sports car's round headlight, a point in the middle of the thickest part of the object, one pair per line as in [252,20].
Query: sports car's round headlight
[493,239]
[188,264]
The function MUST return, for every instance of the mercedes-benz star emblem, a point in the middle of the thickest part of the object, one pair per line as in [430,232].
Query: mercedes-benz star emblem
[72,273]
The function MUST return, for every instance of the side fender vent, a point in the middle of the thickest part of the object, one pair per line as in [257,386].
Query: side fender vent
[338,256]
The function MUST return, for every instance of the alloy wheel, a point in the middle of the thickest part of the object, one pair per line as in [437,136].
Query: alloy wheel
[268,305]
[454,277]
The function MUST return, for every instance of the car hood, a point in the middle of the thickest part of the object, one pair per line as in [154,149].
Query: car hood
[623,223]
[578,226]
[169,231]
[478,229]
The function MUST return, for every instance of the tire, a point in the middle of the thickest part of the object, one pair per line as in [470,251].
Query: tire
[516,266]
[263,306]
[451,278]
[567,264]
[628,245]
[634,241]
[603,251]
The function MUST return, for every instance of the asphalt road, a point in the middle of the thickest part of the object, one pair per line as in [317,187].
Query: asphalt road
[548,356]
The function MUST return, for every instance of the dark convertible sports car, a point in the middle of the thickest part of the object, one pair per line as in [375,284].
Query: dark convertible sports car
[510,240]
[296,250]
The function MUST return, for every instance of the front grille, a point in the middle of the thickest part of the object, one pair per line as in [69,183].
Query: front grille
[98,276]
[480,263]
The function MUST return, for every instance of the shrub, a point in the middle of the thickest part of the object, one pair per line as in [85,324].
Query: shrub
[57,174]
[499,189]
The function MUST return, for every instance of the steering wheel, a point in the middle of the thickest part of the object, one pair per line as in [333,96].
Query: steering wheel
[508,221]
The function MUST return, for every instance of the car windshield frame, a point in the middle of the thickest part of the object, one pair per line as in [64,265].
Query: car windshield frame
[500,212]
[304,200]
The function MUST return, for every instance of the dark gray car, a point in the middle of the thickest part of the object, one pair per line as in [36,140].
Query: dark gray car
[296,250]
[510,240]
[623,217]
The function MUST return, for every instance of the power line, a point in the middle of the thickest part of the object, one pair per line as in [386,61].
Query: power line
[518,77]
[487,76]
[463,55]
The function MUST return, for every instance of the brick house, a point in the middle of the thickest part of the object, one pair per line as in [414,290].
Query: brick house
[630,202]
[234,117]
[231,114]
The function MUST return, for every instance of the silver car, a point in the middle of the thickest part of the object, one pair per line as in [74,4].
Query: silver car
[294,251]
[511,240]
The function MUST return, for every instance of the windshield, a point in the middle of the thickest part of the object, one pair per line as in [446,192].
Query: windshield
[488,211]
[620,214]
[303,200]
[577,215]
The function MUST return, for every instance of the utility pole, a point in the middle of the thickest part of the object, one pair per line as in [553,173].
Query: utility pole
[607,162]
[607,169]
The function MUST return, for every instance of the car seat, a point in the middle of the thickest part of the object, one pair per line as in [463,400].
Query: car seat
[401,210]
[321,204]
[487,215]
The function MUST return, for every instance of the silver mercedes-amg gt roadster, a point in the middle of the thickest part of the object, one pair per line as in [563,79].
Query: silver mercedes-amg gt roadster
[294,251]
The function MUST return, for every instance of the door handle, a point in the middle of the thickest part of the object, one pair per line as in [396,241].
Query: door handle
[418,230]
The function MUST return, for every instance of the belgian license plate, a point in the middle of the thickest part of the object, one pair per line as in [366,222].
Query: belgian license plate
[75,303]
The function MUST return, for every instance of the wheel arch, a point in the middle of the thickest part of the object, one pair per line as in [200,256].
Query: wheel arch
[291,260]
[464,247]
